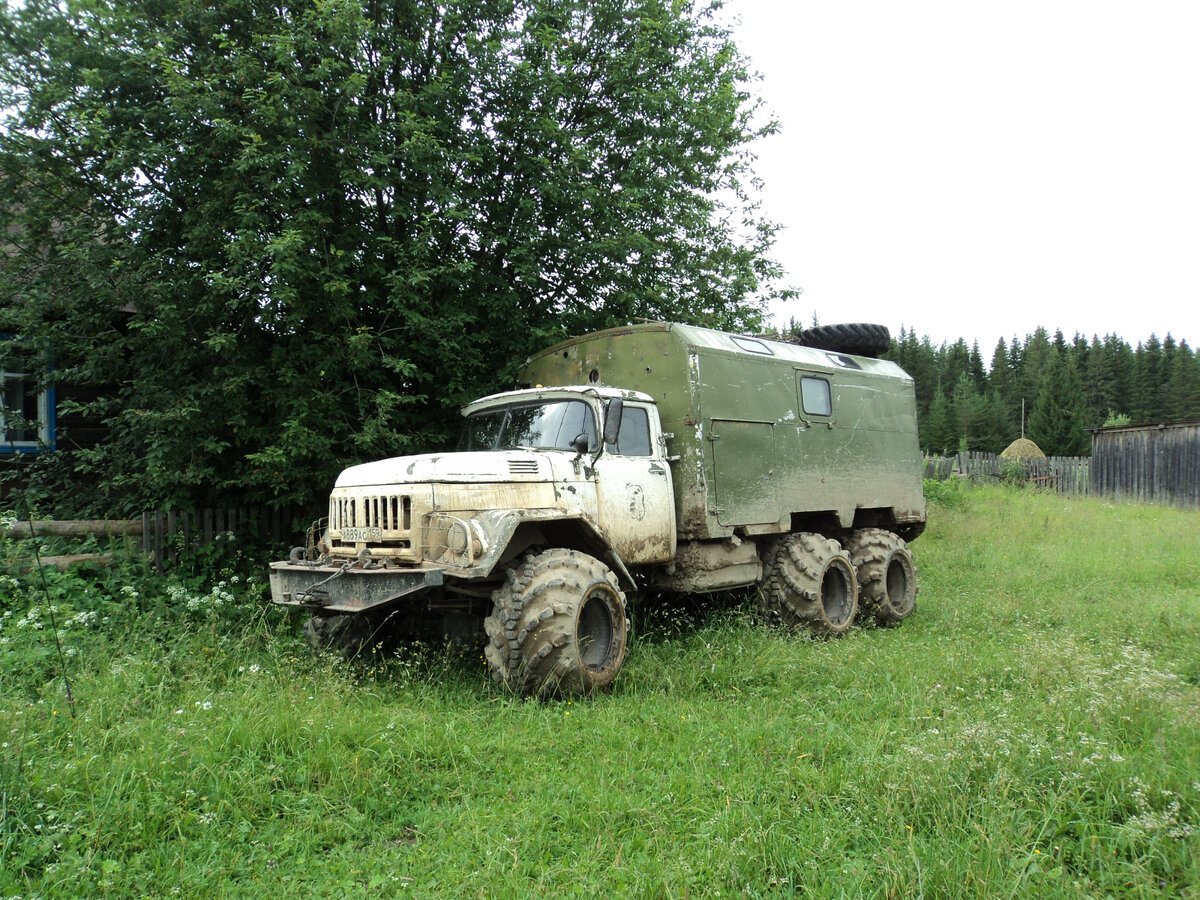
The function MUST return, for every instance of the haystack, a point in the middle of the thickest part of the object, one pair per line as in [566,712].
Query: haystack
[1022,448]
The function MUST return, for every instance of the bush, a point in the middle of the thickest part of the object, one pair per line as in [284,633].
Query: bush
[1012,472]
[948,493]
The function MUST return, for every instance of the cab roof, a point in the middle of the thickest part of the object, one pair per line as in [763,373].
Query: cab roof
[568,392]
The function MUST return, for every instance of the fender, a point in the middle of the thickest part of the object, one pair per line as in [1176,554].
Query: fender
[494,530]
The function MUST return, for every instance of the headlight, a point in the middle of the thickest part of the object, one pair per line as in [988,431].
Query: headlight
[457,537]
[454,541]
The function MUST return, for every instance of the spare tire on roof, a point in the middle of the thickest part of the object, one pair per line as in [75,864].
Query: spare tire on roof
[859,339]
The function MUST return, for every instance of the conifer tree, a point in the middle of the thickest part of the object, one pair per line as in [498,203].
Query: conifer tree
[1182,401]
[1059,420]
[937,432]
[1147,392]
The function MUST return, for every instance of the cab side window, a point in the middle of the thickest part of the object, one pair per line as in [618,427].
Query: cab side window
[634,439]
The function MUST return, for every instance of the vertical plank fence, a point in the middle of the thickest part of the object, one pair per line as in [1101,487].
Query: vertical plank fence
[1129,463]
[166,536]
[1068,475]
[169,534]
[1148,463]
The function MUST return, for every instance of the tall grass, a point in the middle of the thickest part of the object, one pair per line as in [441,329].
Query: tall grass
[1031,731]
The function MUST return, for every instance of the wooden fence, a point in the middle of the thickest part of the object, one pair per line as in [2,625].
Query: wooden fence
[1068,475]
[1129,463]
[166,534]
[1148,463]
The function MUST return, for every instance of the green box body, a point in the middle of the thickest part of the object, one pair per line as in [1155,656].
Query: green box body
[764,436]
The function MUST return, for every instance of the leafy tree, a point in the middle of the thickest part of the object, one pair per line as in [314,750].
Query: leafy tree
[274,238]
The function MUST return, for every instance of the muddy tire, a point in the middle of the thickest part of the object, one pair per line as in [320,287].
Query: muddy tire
[346,636]
[558,625]
[860,339]
[887,575]
[811,583]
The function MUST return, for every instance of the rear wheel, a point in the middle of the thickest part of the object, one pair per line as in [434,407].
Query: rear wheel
[887,575]
[811,583]
[558,625]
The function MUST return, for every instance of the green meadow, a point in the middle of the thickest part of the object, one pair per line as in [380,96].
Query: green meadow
[1032,731]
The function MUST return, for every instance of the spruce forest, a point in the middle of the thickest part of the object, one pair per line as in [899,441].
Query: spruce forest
[1066,387]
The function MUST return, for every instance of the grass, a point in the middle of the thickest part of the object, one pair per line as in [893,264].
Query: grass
[1033,730]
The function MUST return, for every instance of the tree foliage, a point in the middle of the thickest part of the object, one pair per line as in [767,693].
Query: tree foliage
[268,239]
[1063,389]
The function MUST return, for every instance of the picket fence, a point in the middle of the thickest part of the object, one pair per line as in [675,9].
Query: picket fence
[1068,475]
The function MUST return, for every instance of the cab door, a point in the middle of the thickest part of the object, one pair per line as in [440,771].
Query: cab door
[635,502]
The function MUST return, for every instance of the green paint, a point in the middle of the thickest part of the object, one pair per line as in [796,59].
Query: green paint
[746,452]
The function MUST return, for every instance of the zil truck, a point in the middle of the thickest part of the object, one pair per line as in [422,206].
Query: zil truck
[655,457]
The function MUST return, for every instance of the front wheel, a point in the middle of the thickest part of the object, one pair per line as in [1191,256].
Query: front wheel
[557,626]
[344,635]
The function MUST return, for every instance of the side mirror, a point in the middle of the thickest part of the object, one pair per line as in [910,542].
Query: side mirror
[612,420]
[580,443]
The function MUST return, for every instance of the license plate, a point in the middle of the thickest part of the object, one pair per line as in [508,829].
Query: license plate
[357,535]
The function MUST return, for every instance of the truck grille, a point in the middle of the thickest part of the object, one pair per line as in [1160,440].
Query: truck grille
[522,466]
[389,512]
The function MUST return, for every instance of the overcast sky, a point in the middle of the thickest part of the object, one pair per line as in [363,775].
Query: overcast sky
[975,170]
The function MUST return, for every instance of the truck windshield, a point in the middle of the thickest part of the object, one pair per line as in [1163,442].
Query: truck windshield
[544,426]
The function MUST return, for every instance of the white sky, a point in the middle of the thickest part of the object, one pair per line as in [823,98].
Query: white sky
[975,170]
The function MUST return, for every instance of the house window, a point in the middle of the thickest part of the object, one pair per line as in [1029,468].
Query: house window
[26,414]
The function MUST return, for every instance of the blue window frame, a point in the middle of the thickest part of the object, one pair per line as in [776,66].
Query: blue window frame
[28,418]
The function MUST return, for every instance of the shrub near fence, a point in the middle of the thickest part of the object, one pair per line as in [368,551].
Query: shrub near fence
[1068,475]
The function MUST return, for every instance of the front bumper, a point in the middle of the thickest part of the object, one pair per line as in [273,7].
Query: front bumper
[346,589]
